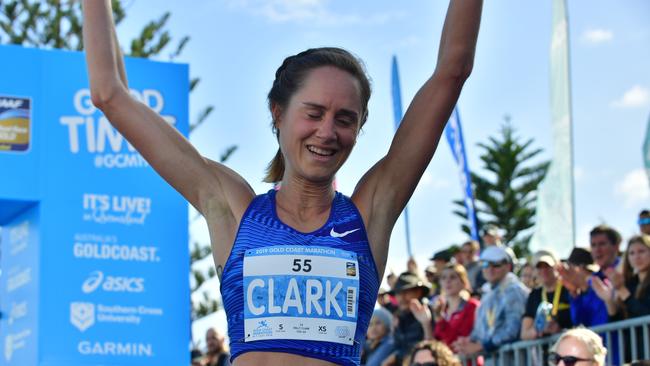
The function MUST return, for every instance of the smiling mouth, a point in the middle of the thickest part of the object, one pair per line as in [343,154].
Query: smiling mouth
[320,152]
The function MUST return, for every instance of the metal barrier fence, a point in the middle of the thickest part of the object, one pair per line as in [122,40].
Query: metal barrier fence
[626,341]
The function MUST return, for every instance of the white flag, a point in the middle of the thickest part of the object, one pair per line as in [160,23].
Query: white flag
[555,216]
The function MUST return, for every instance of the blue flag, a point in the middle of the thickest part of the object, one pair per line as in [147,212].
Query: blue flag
[397,112]
[454,134]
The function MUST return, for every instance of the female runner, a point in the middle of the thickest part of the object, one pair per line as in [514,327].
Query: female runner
[300,267]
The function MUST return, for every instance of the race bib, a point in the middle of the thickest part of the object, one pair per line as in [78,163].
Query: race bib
[298,292]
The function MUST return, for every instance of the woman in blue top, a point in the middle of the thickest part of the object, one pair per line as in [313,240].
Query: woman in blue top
[300,267]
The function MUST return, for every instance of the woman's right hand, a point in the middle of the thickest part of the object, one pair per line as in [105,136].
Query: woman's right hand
[420,311]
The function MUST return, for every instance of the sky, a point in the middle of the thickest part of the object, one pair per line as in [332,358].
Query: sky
[236,46]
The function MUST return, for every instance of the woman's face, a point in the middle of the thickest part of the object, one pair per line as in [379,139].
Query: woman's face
[404,297]
[570,346]
[639,256]
[376,329]
[545,273]
[423,356]
[320,125]
[528,276]
[451,282]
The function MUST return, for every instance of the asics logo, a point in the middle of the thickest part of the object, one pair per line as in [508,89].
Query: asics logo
[334,234]
[97,280]
[92,282]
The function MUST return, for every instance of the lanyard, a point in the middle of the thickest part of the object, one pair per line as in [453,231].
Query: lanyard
[556,297]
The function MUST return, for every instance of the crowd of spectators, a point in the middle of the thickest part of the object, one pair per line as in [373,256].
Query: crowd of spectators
[471,301]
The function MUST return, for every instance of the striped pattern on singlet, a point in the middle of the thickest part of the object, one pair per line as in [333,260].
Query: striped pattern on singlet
[260,227]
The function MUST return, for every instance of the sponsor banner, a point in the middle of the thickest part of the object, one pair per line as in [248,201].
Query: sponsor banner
[15,123]
[109,258]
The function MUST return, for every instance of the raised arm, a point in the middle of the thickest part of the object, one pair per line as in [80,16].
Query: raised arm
[384,190]
[205,184]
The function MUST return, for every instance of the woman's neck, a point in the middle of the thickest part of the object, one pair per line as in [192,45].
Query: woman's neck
[642,275]
[304,207]
[550,286]
[303,194]
[453,301]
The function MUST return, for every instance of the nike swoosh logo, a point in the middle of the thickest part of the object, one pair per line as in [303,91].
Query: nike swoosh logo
[334,234]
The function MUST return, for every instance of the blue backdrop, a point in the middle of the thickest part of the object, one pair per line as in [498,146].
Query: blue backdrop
[94,247]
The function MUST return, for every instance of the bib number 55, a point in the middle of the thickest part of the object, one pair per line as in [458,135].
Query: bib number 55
[303,265]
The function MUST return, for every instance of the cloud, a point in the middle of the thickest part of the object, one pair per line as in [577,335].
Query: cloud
[428,181]
[307,11]
[633,188]
[596,36]
[638,96]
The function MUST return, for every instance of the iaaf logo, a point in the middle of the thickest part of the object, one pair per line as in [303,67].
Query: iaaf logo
[127,210]
[11,103]
[97,280]
[100,138]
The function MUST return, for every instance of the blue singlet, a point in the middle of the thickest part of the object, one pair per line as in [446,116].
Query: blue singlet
[310,294]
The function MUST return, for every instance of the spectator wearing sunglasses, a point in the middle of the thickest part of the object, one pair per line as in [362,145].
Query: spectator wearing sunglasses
[498,318]
[431,353]
[578,346]
[644,222]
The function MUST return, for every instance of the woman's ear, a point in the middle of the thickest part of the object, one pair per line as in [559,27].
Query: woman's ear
[276,114]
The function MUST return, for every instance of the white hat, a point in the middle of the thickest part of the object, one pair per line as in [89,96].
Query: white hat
[544,256]
[495,254]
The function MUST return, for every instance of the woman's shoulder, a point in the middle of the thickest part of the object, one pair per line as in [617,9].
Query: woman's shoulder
[473,302]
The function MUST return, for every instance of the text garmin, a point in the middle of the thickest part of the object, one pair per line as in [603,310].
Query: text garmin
[115,349]
[101,139]
[97,280]
[127,210]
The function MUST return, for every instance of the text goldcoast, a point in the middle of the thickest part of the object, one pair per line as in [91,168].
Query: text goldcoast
[101,139]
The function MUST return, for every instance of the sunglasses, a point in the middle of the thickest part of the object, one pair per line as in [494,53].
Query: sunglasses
[554,359]
[486,264]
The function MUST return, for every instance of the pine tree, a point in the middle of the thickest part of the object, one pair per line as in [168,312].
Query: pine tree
[506,195]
